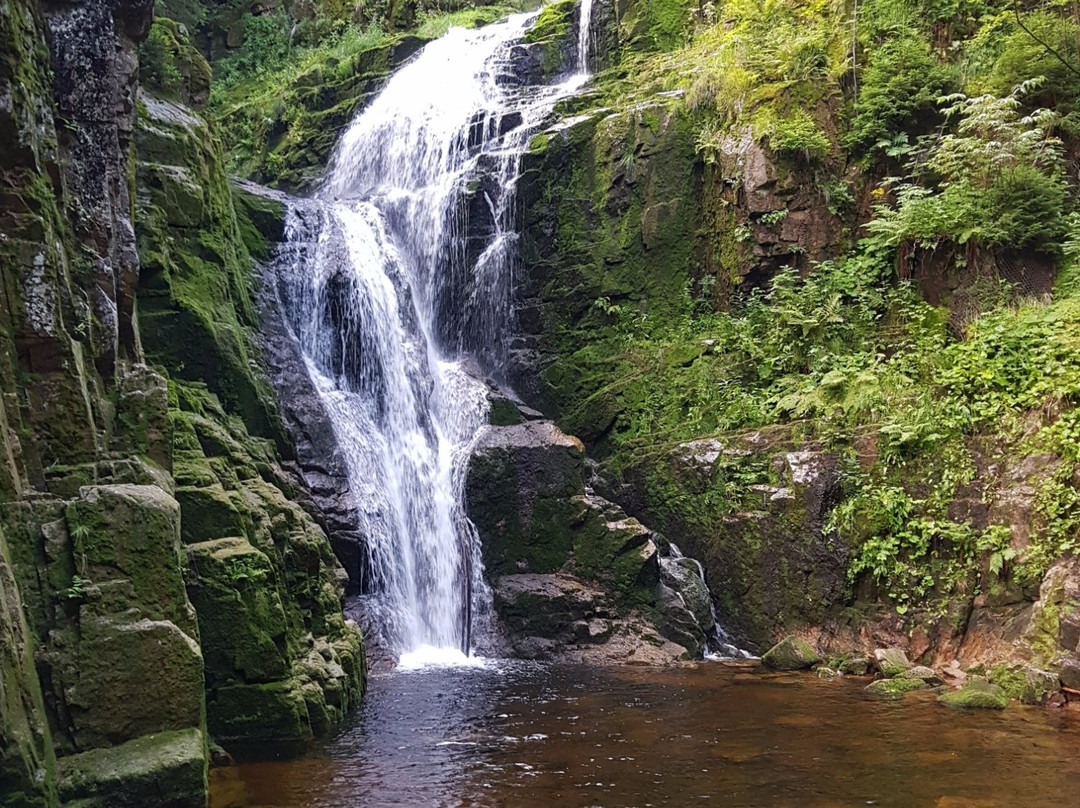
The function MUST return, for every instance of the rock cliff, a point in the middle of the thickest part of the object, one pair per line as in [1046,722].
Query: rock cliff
[154,561]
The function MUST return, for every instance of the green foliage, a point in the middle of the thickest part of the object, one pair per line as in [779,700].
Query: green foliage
[1022,56]
[901,79]
[243,569]
[157,66]
[996,180]
[799,134]
[77,590]
[266,44]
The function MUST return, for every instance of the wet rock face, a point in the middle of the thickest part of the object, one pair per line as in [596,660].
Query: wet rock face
[769,564]
[318,458]
[571,571]
[95,68]
[1054,628]
[108,475]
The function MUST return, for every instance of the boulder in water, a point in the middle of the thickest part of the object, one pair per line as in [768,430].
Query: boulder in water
[855,666]
[923,673]
[791,654]
[891,661]
[976,693]
[894,688]
[1039,686]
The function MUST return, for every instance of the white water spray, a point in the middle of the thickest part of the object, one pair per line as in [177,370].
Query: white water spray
[397,280]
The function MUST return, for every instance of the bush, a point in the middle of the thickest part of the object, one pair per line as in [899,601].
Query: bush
[799,134]
[901,79]
[997,180]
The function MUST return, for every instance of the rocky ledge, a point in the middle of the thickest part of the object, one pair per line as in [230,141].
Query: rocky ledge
[574,577]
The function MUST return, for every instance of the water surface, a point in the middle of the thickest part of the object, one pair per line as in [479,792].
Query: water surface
[524,734]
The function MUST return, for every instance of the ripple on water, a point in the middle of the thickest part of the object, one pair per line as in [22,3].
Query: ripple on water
[525,734]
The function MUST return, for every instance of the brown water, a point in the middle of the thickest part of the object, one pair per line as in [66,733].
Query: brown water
[704,734]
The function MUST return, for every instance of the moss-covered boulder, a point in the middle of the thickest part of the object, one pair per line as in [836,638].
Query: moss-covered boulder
[923,674]
[855,666]
[976,693]
[555,36]
[281,661]
[895,688]
[521,483]
[525,493]
[791,654]
[891,661]
[128,537]
[242,621]
[165,770]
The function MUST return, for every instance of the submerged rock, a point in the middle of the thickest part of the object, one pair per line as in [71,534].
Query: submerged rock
[791,654]
[976,693]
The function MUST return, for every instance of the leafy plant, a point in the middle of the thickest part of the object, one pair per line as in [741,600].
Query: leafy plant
[997,180]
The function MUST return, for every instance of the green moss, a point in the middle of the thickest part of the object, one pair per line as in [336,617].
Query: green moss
[196,313]
[28,766]
[281,663]
[170,66]
[976,694]
[790,654]
[166,768]
[894,688]
[550,33]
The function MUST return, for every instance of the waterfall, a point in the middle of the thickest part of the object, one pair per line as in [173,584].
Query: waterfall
[584,32]
[396,280]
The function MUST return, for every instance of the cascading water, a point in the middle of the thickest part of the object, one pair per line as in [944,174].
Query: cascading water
[584,35]
[397,283]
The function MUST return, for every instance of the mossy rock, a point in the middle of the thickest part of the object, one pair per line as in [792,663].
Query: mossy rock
[976,694]
[261,216]
[242,622]
[131,533]
[923,673]
[895,688]
[208,513]
[554,33]
[791,654]
[259,712]
[165,770]
[109,689]
[504,412]
[173,67]
[855,666]
[891,661]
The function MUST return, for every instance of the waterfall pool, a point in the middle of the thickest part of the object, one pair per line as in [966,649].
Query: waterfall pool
[530,734]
